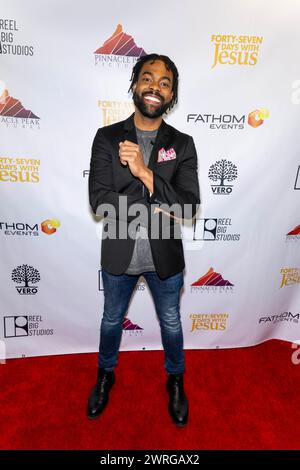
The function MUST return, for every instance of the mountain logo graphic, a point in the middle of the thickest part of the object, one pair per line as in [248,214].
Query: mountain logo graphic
[211,278]
[12,107]
[128,325]
[295,231]
[121,43]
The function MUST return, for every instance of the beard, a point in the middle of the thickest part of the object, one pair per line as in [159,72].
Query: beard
[147,110]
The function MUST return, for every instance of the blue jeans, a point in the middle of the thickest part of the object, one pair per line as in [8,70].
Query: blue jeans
[166,295]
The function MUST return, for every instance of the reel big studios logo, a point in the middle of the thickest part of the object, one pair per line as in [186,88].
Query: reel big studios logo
[17,326]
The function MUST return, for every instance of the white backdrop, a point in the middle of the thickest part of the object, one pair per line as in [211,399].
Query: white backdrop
[239,98]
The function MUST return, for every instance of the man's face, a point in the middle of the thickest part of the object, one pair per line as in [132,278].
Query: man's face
[152,92]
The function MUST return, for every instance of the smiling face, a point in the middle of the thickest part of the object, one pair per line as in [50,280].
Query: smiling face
[152,92]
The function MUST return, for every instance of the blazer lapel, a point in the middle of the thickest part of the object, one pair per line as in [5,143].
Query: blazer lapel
[129,130]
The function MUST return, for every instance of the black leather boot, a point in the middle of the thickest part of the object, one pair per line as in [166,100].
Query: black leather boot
[98,398]
[178,404]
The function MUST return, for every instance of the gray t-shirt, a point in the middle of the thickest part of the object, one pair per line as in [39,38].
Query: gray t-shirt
[142,260]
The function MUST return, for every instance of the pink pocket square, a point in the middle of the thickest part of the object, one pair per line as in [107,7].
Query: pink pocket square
[165,155]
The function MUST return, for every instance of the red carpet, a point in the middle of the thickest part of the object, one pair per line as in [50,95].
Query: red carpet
[244,398]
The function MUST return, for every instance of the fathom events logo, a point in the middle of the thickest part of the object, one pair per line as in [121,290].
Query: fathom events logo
[26,275]
[13,113]
[236,50]
[230,121]
[212,281]
[18,326]
[47,227]
[50,226]
[256,118]
[286,317]
[119,49]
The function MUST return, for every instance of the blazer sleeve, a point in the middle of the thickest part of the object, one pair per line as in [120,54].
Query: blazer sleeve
[101,184]
[184,186]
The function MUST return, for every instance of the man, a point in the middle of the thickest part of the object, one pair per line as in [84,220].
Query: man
[149,164]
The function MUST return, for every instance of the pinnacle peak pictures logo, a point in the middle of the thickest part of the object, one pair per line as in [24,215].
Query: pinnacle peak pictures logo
[214,229]
[48,227]
[26,275]
[209,322]
[13,113]
[212,281]
[230,121]
[222,170]
[115,111]
[131,329]
[231,49]
[119,49]
[19,170]
[294,234]
[290,276]
[18,326]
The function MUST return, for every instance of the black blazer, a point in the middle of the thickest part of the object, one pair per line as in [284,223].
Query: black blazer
[175,181]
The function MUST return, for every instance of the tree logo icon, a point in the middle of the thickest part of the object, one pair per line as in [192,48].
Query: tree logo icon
[27,275]
[223,170]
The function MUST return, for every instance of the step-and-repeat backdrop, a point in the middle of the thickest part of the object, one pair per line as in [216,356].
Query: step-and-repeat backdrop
[64,72]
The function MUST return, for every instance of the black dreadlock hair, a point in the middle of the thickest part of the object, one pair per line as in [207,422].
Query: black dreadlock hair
[169,65]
